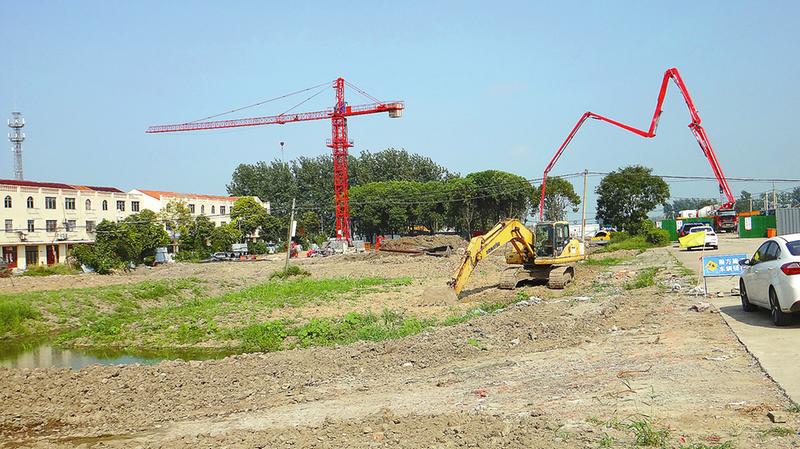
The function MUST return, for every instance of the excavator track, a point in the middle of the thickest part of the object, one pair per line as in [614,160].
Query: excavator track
[514,275]
[560,277]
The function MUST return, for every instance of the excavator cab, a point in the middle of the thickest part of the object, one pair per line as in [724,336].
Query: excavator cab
[551,238]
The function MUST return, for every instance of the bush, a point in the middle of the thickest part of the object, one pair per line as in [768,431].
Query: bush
[13,312]
[291,270]
[100,260]
[657,237]
[49,270]
[617,237]
[257,248]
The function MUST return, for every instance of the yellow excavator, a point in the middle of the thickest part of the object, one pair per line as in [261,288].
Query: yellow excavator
[546,254]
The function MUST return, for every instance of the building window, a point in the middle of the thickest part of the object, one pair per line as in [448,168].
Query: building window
[69,203]
[70,225]
[105,205]
[89,226]
[30,202]
[31,226]
[134,206]
[223,223]
[7,201]
[49,202]
[88,204]
[203,209]
[50,225]
[32,255]
[191,208]
[121,206]
[222,210]
[212,210]
[9,225]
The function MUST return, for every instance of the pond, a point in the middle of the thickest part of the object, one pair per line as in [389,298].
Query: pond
[44,354]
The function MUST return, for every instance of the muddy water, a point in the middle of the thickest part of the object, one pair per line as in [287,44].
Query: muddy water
[43,354]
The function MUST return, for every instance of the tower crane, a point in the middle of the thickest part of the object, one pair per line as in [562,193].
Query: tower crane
[338,142]
[725,213]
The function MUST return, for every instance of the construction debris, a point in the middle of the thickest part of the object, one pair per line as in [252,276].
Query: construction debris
[437,243]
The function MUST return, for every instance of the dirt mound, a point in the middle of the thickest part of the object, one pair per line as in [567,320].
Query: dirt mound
[424,242]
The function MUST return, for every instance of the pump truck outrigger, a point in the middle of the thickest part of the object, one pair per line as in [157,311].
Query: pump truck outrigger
[546,254]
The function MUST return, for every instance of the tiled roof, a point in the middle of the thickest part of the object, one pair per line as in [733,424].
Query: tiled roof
[158,194]
[57,185]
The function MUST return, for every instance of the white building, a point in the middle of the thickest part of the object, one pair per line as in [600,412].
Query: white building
[42,220]
[217,208]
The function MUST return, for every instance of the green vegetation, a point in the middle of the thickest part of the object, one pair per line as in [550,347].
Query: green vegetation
[291,270]
[606,441]
[645,434]
[725,445]
[794,408]
[626,195]
[474,342]
[605,261]
[644,278]
[49,270]
[778,431]
[14,313]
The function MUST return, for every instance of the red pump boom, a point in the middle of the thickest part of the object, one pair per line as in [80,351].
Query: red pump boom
[697,130]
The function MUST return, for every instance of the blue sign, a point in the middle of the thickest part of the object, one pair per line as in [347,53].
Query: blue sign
[722,265]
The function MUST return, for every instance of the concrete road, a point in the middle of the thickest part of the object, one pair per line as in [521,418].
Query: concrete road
[776,348]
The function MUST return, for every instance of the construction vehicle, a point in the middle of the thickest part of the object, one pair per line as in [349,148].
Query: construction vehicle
[546,254]
[725,215]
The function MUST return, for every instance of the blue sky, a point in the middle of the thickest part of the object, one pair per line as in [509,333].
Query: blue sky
[487,84]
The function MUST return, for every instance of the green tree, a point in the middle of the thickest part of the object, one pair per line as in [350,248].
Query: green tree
[625,196]
[223,236]
[308,224]
[559,194]
[176,217]
[500,195]
[198,237]
[248,215]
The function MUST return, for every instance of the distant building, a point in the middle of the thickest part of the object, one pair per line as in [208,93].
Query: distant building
[43,220]
[217,208]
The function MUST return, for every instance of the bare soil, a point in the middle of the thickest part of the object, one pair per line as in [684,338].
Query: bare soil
[563,369]
[424,242]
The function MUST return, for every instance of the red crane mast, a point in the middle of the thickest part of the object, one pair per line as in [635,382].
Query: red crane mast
[338,142]
[697,130]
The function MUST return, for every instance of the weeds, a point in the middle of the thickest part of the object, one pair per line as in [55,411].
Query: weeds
[794,408]
[606,441]
[645,278]
[777,431]
[49,270]
[646,435]
[13,314]
[725,445]
[474,342]
[291,270]
[605,261]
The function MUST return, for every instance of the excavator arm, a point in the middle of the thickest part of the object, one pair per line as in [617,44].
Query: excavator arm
[507,231]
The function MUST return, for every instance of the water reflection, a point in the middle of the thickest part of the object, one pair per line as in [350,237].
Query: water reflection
[42,354]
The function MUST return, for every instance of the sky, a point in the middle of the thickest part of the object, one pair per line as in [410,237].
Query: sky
[487,85]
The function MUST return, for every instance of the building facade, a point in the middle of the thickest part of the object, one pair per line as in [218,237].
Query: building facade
[42,220]
[216,208]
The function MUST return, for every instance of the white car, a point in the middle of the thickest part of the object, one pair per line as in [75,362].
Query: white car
[771,279]
[711,236]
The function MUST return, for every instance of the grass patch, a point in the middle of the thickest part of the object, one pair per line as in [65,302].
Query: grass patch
[352,327]
[794,408]
[644,278]
[291,270]
[604,262]
[193,320]
[13,315]
[49,270]
[778,431]
[725,445]
[636,242]
[474,342]
[606,441]
[645,434]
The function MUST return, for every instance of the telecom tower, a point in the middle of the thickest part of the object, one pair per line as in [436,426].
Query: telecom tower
[16,137]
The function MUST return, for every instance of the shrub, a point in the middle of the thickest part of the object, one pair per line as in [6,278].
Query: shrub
[102,261]
[13,312]
[621,236]
[49,270]
[291,270]
[657,237]
[257,248]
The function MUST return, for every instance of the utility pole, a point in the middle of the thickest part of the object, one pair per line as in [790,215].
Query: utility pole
[583,215]
[751,203]
[289,240]
[282,159]
[774,196]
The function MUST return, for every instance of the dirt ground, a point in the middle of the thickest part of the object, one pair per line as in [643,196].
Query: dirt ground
[569,369]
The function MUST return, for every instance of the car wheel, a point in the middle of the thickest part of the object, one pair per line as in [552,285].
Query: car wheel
[778,317]
[746,305]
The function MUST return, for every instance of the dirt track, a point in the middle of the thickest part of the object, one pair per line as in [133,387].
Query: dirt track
[558,373]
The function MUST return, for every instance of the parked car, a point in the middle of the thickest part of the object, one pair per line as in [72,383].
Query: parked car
[601,237]
[711,240]
[771,278]
[686,228]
